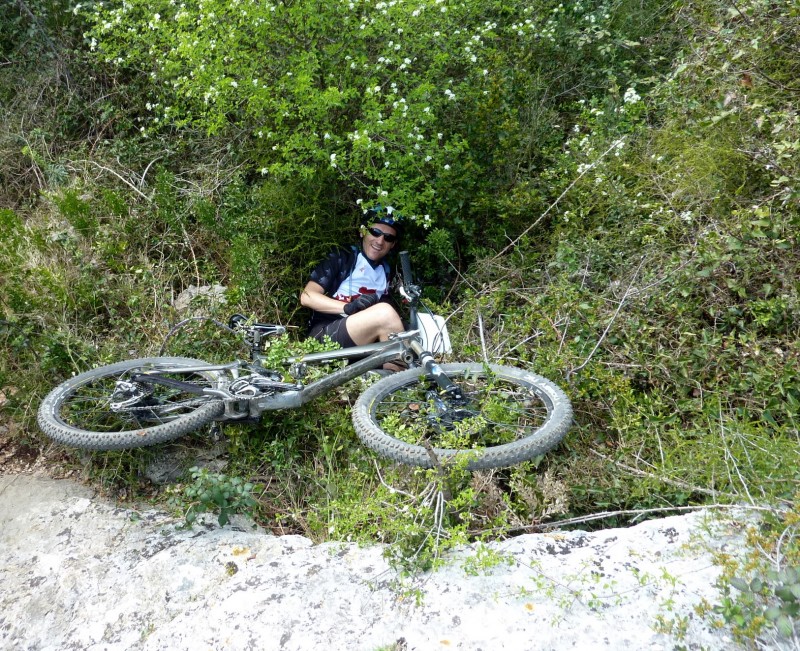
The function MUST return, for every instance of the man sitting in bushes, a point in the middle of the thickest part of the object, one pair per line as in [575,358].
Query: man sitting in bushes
[348,291]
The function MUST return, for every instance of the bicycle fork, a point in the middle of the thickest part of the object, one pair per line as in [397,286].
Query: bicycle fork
[426,359]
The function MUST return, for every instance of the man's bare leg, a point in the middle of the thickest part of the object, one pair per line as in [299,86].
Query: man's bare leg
[375,323]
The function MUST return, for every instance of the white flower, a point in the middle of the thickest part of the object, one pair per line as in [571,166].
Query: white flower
[333,160]
[234,84]
[264,171]
[631,96]
[447,167]
[384,193]
[327,136]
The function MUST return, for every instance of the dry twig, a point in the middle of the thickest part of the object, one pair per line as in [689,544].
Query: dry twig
[514,242]
[624,298]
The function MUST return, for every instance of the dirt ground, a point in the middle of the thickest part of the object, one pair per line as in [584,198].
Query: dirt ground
[21,454]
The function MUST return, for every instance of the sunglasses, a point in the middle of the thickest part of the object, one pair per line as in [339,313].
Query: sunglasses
[377,232]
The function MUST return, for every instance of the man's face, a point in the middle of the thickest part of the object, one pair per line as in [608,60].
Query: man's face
[374,247]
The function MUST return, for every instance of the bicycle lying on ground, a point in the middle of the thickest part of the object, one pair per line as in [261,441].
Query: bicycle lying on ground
[488,415]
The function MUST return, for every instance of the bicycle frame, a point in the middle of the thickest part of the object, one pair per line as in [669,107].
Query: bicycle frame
[403,346]
[377,355]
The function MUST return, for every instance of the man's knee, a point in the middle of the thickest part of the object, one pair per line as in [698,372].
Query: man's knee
[386,316]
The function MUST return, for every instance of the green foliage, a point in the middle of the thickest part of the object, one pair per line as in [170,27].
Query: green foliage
[782,588]
[635,162]
[215,492]
[761,588]
[416,105]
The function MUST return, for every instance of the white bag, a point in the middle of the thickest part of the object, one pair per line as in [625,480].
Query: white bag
[433,330]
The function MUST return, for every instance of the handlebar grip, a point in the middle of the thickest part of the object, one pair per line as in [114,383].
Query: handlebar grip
[405,265]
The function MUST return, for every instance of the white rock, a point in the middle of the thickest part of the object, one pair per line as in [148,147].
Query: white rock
[200,298]
[78,572]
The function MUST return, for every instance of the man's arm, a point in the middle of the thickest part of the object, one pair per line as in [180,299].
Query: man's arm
[313,297]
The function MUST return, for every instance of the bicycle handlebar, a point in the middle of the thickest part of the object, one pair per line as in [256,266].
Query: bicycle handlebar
[408,289]
[405,265]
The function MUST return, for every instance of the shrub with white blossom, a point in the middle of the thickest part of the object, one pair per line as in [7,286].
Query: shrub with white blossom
[422,103]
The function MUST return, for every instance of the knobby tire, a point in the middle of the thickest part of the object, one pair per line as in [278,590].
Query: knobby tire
[389,399]
[76,412]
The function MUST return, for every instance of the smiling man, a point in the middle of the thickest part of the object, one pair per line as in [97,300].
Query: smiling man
[348,291]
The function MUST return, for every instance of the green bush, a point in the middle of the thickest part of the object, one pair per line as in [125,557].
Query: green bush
[430,107]
[619,214]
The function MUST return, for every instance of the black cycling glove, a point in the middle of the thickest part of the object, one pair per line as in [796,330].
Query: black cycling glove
[361,303]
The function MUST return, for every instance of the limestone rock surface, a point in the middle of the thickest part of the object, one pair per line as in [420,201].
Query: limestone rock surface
[78,572]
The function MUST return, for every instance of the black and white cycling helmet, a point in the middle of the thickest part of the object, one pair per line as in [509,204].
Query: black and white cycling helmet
[384,215]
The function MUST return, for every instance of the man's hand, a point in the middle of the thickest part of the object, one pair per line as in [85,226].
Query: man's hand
[361,303]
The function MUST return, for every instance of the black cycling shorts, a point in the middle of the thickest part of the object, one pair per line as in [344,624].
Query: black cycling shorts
[336,330]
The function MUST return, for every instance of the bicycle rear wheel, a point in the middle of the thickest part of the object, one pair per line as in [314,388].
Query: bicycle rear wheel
[508,416]
[102,409]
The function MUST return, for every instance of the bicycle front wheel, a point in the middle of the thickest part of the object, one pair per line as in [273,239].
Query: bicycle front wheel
[103,409]
[506,416]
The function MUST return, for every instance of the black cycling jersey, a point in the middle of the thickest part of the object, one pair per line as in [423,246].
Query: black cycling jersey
[331,272]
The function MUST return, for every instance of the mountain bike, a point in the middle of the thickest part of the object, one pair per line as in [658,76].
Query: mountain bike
[433,413]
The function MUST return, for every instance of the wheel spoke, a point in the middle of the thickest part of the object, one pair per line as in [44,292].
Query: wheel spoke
[508,416]
[90,405]
[495,412]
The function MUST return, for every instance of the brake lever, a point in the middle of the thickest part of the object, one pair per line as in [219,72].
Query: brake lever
[410,292]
